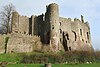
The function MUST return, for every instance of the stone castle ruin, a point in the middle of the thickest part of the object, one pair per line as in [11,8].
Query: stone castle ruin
[48,31]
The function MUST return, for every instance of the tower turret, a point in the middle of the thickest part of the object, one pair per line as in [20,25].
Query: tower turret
[53,21]
[82,19]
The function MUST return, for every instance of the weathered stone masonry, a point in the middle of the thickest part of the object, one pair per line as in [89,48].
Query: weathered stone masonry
[58,32]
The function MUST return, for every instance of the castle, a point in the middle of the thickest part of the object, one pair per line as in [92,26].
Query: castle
[58,32]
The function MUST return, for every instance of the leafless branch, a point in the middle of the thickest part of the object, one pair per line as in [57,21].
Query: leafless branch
[5,17]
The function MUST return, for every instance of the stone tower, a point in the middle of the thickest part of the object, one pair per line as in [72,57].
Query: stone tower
[15,23]
[20,24]
[52,20]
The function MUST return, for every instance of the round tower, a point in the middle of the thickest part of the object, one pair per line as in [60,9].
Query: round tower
[53,19]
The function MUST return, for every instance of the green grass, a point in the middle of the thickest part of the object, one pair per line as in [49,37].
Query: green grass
[27,65]
[79,65]
[17,57]
[13,57]
[56,65]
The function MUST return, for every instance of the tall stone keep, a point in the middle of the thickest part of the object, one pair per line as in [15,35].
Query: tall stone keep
[53,20]
[15,24]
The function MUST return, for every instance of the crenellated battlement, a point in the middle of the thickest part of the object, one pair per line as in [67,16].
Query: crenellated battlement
[72,20]
[53,4]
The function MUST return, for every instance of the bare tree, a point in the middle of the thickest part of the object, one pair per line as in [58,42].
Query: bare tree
[5,17]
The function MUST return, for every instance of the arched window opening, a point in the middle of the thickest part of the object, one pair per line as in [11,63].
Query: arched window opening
[88,35]
[86,41]
[60,30]
[81,32]
[24,32]
[75,35]
[83,40]
[16,31]
[52,26]
[60,39]
[67,36]
[70,48]
[60,23]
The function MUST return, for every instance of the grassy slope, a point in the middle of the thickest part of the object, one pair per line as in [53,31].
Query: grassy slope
[56,65]
[79,65]
[14,57]
[27,65]
[10,57]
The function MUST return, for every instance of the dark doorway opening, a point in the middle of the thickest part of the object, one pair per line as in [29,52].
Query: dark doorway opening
[75,35]
[65,42]
[47,38]
[70,48]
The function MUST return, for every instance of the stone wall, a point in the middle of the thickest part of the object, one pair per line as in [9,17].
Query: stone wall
[23,43]
[20,24]
[23,24]
[2,43]
[76,33]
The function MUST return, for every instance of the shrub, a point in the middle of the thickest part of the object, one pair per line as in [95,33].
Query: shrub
[69,56]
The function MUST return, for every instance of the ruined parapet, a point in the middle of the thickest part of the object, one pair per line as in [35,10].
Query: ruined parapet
[78,36]
[87,24]
[76,20]
[88,35]
[69,19]
[82,19]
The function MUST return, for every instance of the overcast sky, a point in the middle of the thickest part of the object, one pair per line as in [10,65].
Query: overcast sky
[90,9]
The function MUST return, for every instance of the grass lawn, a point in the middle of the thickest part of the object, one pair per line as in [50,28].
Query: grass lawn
[16,57]
[27,65]
[13,57]
[56,65]
[79,65]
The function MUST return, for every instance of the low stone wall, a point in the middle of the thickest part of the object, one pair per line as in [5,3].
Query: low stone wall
[23,43]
